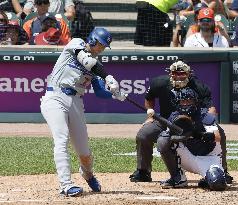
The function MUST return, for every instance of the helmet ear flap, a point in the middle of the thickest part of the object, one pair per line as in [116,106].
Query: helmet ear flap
[92,42]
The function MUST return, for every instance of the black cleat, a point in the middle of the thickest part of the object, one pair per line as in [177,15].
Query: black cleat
[140,176]
[172,183]
[203,184]
[228,177]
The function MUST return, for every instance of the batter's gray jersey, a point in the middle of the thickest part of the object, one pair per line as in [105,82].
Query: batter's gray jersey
[68,72]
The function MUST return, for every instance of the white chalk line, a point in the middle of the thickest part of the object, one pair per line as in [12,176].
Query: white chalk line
[159,197]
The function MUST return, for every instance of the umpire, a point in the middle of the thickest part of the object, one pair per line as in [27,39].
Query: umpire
[160,88]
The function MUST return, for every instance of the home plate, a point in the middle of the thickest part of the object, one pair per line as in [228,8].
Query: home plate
[156,197]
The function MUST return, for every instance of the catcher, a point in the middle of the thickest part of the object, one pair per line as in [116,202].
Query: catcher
[198,150]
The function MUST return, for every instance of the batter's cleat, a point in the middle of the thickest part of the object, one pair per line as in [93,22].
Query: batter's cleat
[73,191]
[94,184]
[228,177]
[140,176]
[174,183]
[203,184]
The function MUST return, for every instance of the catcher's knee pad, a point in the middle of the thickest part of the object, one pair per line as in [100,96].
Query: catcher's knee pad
[163,144]
[216,178]
[86,166]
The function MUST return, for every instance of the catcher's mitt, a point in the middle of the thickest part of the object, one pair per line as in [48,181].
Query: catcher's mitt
[186,124]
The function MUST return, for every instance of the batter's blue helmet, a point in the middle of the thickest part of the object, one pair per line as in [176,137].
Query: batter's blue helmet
[101,35]
[216,178]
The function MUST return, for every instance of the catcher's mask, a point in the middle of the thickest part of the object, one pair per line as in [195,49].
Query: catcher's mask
[179,73]
[185,101]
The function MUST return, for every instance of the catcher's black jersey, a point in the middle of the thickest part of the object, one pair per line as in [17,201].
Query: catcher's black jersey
[160,88]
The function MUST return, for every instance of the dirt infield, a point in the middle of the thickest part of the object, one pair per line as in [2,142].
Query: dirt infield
[116,188]
[94,130]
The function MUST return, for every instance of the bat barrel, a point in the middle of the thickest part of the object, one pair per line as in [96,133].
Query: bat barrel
[178,130]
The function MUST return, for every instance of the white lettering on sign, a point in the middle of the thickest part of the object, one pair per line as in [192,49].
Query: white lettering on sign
[37,85]
[17,58]
[22,85]
[140,58]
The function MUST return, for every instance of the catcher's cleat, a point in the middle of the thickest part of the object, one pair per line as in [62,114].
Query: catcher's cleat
[228,177]
[172,183]
[203,184]
[94,184]
[140,176]
[73,191]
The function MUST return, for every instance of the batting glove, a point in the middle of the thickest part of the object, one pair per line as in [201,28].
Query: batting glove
[112,84]
[119,96]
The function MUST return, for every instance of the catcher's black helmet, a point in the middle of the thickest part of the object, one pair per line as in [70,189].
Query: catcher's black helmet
[185,100]
[215,178]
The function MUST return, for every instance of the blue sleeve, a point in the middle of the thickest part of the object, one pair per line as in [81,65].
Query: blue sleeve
[99,88]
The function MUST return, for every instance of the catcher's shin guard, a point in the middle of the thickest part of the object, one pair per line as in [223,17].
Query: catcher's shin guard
[168,155]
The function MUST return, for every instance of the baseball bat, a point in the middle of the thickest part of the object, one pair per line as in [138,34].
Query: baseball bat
[176,129]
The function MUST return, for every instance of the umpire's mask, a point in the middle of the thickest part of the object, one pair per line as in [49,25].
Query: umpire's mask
[179,73]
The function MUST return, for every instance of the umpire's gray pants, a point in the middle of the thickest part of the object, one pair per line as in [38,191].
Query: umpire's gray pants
[145,139]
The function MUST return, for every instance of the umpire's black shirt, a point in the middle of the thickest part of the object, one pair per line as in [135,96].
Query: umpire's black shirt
[160,87]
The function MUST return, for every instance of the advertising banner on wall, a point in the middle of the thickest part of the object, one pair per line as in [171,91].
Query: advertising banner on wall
[23,84]
[234,99]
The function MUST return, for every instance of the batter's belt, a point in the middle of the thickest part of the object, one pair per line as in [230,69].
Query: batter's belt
[66,91]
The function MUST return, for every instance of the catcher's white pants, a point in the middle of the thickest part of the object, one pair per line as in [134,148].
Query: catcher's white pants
[199,164]
[65,117]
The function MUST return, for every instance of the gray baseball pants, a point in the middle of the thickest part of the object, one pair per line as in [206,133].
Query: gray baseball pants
[65,117]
